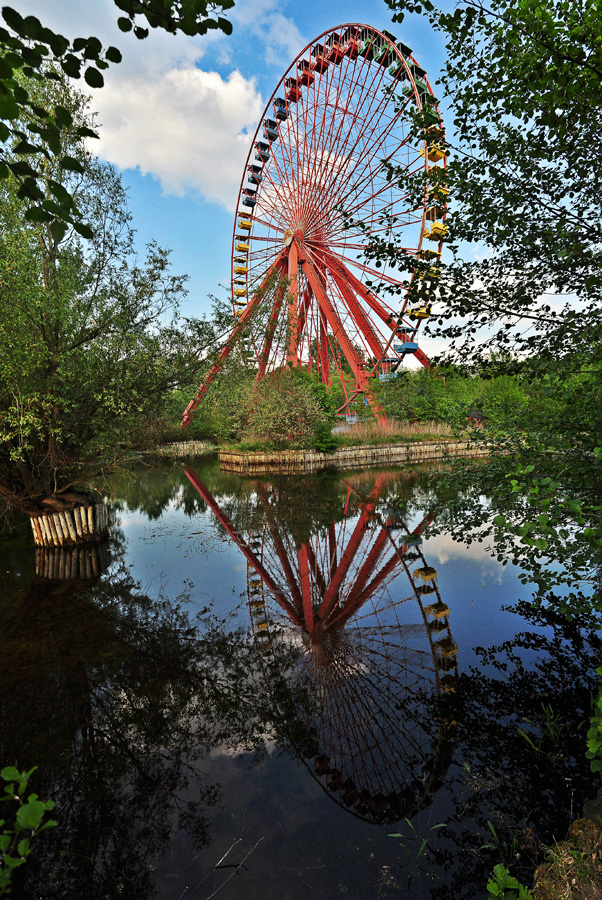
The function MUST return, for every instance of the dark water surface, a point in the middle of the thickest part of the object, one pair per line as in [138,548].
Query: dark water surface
[269,678]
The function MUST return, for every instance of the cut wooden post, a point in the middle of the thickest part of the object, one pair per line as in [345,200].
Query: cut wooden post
[70,525]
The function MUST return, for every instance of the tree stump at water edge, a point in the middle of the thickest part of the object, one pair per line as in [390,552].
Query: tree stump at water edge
[79,525]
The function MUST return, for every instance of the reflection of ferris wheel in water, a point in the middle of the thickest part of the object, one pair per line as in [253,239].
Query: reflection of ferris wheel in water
[331,618]
[316,190]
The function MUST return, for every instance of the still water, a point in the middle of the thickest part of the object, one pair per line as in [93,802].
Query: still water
[284,688]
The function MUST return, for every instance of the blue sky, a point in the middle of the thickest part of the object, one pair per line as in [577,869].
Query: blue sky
[177,115]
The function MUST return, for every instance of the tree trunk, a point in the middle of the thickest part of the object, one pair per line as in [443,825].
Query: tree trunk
[85,524]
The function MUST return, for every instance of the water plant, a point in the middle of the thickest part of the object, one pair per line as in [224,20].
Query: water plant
[594,734]
[504,886]
[26,821]
[416,846]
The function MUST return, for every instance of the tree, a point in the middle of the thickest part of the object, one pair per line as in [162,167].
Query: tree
[287,405]
[522,80]
[31,51]
[90,343]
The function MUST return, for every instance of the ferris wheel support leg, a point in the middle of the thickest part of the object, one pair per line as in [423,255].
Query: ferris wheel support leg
[358,315]
[242,545]
[341,336]
[360,289]
[231,341]
[308,612]
[331,596]
[293,307]
[373,302]
[271,330]
[324,360]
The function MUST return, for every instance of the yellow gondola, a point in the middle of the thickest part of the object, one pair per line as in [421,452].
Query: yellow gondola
[421,312]
[426,573]
[240,270]
[438,231]
[434,151]
[429,254]
[242,248]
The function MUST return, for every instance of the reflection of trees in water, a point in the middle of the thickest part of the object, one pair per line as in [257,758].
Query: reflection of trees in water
[116,697]
[351,620]
[530,795]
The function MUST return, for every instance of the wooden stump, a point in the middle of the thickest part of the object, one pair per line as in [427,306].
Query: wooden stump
[69,527]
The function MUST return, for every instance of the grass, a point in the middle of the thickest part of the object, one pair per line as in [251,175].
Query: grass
[573,870]
[393,433]
[360,434]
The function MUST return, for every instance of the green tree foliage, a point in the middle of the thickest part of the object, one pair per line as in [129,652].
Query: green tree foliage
[286,406]
[26,814]
[522,80]
[428,395]
[90,341]
[522,83]
[32,53]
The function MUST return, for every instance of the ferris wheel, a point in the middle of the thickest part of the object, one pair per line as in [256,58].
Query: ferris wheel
[320,190]
[352,623]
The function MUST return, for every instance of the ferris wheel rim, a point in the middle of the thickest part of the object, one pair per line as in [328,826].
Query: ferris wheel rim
[406,60]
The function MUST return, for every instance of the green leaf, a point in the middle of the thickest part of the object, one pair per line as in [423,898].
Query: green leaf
[58,230]
[93,77]
[10,774]
[30,815]
[71,164]
[84,230]
[37,214]
[113,54]
[124,24]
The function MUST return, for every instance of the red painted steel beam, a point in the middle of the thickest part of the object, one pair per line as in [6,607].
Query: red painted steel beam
[308,612]
[339,332]
[332,593]
[368,591]
[281,552]
[359,316]
[315,570]
[374,304]
[231,341]
[333,320]
[270,331]
[292,355]
[243,546]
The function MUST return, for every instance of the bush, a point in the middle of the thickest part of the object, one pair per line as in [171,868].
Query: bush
[286,406]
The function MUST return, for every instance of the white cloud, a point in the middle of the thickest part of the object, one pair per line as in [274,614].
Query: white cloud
[184,126]
[279,36]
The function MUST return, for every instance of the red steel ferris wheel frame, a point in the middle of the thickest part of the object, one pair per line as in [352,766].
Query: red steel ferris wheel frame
[299,235]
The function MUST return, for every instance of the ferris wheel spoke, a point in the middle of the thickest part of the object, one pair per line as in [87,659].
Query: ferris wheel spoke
[353,179]
[348,147]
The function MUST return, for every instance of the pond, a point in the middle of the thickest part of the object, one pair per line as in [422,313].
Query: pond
[284,688]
